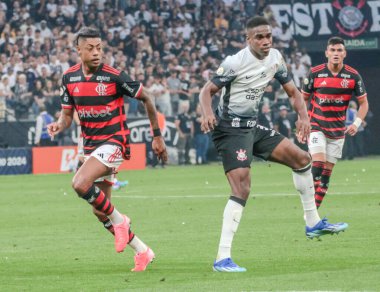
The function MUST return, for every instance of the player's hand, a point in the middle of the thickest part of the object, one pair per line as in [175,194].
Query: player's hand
[208,123]
[53,129]
[159,148]
[302,130]
[351,130]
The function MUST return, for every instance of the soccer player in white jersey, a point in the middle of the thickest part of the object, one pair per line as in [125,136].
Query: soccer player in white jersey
[237,136]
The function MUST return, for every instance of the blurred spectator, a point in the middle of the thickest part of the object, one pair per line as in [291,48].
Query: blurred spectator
[23,98]
[185,128]
[161,93]
[353,145]
[201,139]
[174,85]
[6,92]
[42,137]
[265,117]
[299,70]
[38,98]
[282,123]
[184,94]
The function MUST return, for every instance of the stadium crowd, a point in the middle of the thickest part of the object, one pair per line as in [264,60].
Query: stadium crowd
[172,46]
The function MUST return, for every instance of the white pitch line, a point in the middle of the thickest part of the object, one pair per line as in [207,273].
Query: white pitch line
[127,196]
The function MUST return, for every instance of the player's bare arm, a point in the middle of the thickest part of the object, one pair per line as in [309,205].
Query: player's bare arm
[62,124]
[158,143]
[205,99]
[298,103]
[362,112]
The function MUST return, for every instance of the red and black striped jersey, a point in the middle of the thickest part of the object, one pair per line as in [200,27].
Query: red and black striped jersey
[330,96]
[100,105]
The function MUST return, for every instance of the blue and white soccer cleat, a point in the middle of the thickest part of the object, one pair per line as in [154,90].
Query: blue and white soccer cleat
[227,265]
[323,228]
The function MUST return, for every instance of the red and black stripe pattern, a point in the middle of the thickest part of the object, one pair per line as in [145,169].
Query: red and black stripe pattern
[100,105]
[330,96]
[98,200]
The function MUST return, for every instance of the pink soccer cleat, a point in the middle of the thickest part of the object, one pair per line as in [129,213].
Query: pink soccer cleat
[122,234]
[142,260]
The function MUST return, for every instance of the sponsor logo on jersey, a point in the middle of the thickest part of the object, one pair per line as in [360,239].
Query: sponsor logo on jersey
[103,78]
[323,75]
[127,87]
[360,84]
[241,155]
[254,93]
[235,122]
[92,113]
[251,124]
[331,100]
[324,83]
[101,89]
[345,75]
[75,78]
[76,89]
[345,83]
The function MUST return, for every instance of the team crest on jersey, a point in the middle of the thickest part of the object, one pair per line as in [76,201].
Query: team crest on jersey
[235,122]
[306,81]
[101,89]
[241,155]
[344,83]
[220,71]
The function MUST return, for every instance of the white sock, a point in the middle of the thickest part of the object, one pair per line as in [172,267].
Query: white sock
[304,184]
[231,219]
[137,245]
[116,217]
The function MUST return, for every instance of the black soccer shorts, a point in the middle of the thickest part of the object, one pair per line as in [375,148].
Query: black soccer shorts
[237,146]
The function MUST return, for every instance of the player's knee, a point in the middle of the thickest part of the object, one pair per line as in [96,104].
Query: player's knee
[80,185]
[245,190]
[303,160]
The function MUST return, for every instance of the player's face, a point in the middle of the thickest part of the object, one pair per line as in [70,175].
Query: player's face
[90,51]
[335,54]
[259,40]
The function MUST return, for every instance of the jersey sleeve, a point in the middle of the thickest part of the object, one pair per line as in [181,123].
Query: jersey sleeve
[226,73]
[67,101]
[282,74]
[128,86]
[360,91]
[307,84]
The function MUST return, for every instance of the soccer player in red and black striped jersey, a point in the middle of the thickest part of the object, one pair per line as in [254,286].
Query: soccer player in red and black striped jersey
[95,90]
[330,87]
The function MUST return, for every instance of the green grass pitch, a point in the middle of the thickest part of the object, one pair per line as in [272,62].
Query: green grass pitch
[50,241]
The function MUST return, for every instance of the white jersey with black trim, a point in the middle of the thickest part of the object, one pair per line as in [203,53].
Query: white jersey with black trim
[244,78]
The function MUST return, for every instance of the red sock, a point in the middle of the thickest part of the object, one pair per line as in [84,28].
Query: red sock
[321,191]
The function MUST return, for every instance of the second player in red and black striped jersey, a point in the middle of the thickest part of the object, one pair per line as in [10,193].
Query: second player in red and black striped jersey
[330,96]
[99,102]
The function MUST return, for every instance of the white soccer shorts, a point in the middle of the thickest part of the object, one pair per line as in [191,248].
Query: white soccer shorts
[332,148]
[111,156]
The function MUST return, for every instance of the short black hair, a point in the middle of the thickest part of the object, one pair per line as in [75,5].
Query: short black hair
[257,21]
[87,32]
[335,41]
